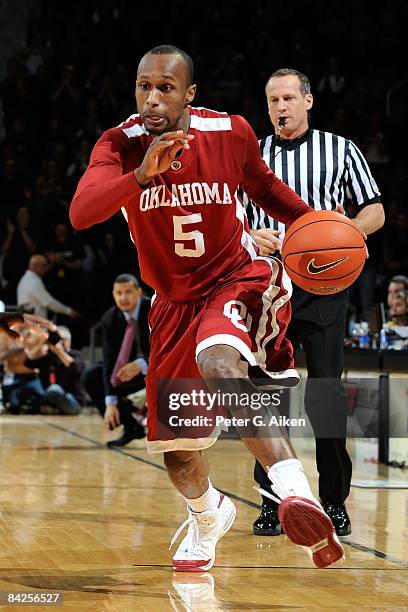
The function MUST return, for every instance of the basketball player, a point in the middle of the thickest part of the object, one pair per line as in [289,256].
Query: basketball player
[174,171]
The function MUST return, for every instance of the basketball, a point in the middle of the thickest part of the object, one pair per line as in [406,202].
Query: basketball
[323,252]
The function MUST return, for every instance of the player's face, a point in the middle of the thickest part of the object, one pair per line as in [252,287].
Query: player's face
[162,93]
[285,100]
[126,296]
[393,290]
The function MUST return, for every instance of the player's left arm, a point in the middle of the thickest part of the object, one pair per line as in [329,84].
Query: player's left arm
[363,191]
[259,182]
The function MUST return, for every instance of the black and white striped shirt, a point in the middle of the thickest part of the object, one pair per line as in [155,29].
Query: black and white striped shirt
[324,169]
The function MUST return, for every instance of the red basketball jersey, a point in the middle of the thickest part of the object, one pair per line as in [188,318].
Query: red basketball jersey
[188,224]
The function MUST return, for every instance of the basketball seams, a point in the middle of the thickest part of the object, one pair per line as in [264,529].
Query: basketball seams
[289,235]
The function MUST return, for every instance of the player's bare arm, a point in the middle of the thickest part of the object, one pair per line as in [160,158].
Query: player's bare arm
[163,150]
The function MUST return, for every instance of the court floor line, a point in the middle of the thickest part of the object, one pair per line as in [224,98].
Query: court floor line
[361,547]
[287,567]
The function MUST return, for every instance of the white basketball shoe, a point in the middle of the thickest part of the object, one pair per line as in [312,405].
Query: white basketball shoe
[196,552]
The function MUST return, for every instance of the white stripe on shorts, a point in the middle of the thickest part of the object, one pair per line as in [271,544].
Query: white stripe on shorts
[230,340]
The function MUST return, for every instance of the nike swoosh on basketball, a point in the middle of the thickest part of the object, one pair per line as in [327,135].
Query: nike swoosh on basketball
[312,269]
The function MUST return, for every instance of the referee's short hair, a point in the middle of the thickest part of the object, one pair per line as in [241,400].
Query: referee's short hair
[127,278]
[303,80]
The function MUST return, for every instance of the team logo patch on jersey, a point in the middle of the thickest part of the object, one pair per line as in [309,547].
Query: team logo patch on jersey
[175,165]
[312,269]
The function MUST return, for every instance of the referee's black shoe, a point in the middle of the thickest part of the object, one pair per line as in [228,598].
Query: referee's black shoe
[133,432]
[267,523]
[339,517]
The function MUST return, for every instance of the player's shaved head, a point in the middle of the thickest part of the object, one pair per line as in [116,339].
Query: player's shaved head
[164,89]
[172,50]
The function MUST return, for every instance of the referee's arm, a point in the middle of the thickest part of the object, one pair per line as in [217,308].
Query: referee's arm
[363,191]
[370,219]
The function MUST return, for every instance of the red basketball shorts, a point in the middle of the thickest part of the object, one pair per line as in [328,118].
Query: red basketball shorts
[249,310]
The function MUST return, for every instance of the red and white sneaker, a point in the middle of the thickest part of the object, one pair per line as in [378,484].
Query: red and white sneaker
[305,523]
[196,552]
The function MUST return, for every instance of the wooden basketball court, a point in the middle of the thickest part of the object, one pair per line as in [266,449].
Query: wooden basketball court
[95,524]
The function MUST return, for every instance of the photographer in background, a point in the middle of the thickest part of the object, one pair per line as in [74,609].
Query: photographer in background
[60,370]
[24,337]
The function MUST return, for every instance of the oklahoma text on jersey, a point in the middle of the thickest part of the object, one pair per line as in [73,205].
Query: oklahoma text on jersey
[185,195]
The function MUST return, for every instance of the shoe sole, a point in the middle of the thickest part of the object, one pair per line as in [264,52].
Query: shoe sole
[197,566]
[307,525]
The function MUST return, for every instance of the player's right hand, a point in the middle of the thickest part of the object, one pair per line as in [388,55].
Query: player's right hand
[111,416]
[267,240]
[162,151]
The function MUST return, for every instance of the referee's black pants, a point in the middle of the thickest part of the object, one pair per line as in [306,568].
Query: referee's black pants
[322,341]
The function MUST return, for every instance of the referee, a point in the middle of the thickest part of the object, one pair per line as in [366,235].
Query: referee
[327,171]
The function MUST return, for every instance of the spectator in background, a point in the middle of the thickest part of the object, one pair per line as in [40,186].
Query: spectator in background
[49,189]
[66,256]
[330,85]
[91,128]
[60,368]
[20,243]
[78,165]
[32,291]
[66,96]
[70,378]
[21,385]
[8,90]
[396,285]
[107,103]
[398,313]
[11,191]
[125,353]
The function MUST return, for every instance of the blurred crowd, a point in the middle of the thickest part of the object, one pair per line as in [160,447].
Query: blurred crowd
[74,77]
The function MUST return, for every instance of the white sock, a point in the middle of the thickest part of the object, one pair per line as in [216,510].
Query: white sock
[288,478]
[207,501]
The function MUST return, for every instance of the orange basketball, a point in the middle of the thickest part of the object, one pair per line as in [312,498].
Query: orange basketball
[323,252]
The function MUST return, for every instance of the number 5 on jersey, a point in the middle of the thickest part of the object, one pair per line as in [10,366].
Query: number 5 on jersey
[180,236]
